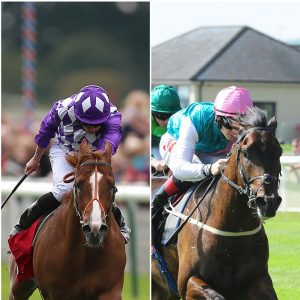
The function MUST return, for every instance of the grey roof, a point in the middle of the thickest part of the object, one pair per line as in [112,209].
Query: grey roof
[234,53]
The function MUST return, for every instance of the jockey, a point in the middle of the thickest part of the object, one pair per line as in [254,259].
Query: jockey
[197,140]
[164,103]
[88,114]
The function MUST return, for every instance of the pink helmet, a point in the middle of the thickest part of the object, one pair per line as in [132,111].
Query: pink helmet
[232,101]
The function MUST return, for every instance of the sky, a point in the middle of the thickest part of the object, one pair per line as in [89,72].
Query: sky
[278,19]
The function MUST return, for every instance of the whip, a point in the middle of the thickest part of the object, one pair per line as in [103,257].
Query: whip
[14,189]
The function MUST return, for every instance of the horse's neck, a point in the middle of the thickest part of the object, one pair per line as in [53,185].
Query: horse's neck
[233,207]
[72,227]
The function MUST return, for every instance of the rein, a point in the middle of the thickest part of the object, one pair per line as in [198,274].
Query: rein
[95,196]
[247,190]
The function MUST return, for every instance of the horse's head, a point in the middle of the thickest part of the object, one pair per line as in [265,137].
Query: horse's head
[257,163]
[93,191]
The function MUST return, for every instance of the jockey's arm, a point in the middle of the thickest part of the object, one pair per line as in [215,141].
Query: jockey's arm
[112,133]
[34,162]
[184,163]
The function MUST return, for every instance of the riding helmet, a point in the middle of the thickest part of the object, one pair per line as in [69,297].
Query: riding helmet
[232,101]
[164,99]
[92,105]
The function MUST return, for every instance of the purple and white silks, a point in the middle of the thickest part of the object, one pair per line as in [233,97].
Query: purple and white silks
[62,123]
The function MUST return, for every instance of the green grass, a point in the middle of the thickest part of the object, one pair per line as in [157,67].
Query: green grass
[142,289]
[284,263]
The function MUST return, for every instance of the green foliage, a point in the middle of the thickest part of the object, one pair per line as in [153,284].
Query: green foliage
[78,44]
[287,149]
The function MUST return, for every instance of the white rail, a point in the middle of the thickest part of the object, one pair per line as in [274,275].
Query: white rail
[290,160]
[38,186]
[290,184]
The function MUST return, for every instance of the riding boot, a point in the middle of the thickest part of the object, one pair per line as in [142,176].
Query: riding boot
[125,230]
[171,187]
[45,203]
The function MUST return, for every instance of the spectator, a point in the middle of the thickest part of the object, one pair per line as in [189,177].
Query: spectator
[131,163]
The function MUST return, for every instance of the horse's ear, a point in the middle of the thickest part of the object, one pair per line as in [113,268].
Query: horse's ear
[85,147]
[272,124]
[107,152]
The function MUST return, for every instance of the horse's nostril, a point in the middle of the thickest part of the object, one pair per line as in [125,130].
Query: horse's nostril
[277,201]
[260,201]
[86,228]
[103,227]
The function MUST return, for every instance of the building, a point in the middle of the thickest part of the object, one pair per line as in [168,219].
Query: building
[201,62]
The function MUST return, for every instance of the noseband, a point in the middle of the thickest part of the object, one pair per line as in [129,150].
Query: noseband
[95,196]
[265,178]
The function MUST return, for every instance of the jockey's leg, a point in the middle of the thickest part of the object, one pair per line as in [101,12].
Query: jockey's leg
[45,203]
[171,187]
[125,230]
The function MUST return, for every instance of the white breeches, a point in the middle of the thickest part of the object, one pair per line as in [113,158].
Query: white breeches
[60,167]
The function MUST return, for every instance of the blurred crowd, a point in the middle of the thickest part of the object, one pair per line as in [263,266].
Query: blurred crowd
[130,163]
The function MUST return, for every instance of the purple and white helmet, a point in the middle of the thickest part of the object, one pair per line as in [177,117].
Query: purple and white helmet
[92,105]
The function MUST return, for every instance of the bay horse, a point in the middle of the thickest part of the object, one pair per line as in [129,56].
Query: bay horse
[79,253]
[222,251]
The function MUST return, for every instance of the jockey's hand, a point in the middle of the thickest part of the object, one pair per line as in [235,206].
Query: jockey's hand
[32,165]
[218,166]
[161,166]
[158,165]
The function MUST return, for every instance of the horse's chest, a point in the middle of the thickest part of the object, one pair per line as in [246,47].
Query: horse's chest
[231,262]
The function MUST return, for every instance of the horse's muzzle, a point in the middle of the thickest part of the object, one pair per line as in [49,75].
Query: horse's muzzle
[94,237]
[268,205]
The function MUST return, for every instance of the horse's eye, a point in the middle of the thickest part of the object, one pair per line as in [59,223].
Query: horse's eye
[245,153]
[113,189]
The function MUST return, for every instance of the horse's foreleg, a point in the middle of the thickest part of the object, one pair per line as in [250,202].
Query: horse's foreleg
[261,288]
[19,290]
[198,289]
[114,294]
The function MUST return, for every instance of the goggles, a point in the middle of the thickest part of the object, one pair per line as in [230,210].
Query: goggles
[226,122]
[90,125]
[161,116]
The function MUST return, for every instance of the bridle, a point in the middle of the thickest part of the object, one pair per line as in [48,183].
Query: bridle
[95,197]
[265,178]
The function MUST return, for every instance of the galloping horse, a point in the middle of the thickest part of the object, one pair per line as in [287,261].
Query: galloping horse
[79,253]
[222,252]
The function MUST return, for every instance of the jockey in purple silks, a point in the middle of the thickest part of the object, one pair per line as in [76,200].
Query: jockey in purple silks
[88,114]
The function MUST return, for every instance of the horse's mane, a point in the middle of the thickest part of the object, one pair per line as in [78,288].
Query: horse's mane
[91,155]
[78,158]
[254,117]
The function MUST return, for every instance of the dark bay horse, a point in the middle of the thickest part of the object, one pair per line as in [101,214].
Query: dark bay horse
[222,252]
[79,253]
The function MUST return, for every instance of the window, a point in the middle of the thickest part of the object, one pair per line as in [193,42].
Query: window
[268,107]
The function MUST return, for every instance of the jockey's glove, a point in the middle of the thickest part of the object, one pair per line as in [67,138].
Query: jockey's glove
[218,166]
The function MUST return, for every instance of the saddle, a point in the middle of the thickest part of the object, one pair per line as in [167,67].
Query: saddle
[168,223]
[21,246]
